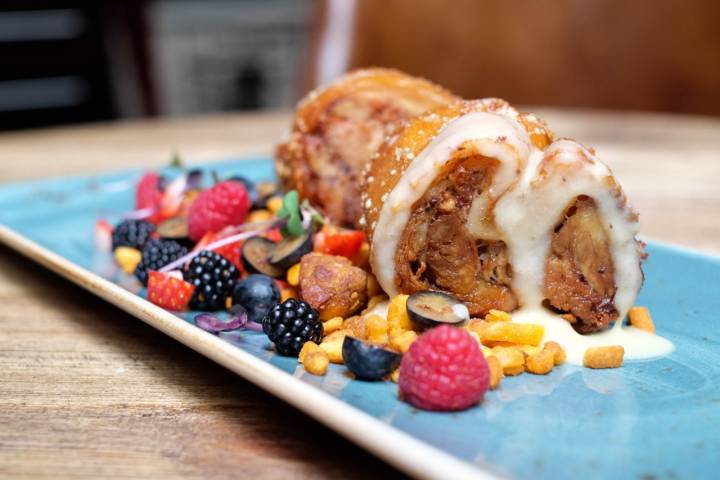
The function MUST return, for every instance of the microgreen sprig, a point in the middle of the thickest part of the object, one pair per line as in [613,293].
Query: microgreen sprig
[290,210]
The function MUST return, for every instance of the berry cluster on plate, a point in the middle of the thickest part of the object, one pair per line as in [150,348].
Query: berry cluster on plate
[278,267]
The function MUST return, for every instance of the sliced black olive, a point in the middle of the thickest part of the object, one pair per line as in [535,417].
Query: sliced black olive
[367,361]
[175,229]
[290,250]
[254,255]
[428,309]
[194,179]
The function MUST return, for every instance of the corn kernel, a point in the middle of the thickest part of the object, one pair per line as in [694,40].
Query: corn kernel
[497,316]
[332,325]
[512,359]
[558,352]
[530,349]
[274,204]
[356,326]
[307,348]
[293,275]
[376,328]
[332,344]
[522,333]
[128,258]
[540,363]
[259,216]
[476,325]
[397,318]
[395,375]
[374,301]
[288,292]
[640,318]
[604,357]
[475,336]
[316,362]
[402,342]
[496,371]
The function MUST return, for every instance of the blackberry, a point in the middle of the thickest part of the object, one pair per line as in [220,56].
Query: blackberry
[132,233]
[290,324]
[155,255]
[214,277]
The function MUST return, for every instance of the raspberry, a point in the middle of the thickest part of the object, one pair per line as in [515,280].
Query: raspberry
[444,370]
[227,203]
[148,194]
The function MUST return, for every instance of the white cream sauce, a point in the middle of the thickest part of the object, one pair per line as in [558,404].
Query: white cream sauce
[526,211]
[638,344]
[486,131]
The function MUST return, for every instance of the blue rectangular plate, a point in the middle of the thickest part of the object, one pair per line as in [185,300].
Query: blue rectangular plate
[647,420]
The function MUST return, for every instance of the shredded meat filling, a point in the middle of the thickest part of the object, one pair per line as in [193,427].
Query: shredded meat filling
[579,280]
[438,252]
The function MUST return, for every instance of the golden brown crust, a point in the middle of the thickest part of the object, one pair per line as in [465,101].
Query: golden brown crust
[332,285]
[337,129]
[437,249]
[476,271]
[397,152]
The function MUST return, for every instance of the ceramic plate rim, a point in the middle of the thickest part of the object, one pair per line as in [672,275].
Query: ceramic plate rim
[416,458]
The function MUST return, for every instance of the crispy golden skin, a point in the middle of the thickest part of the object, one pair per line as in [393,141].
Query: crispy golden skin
[339,128]
[436,250]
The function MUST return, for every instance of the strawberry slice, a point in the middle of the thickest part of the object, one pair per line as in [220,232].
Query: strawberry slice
[148,195]
[167,291]
[103,236]
[273,235]
[230,251]
[345,243]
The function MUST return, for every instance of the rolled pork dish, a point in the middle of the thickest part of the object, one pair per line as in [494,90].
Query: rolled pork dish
[337,129]
[481,201]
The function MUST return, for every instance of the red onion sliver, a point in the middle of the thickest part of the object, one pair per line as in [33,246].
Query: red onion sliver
[221,243]
[238,320]
[133,215]
[211,323]
[254,326]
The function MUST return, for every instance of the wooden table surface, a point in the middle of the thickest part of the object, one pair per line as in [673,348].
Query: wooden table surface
[89,391]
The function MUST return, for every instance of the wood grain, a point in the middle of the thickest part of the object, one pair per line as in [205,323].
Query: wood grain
[588,53]
[89,391]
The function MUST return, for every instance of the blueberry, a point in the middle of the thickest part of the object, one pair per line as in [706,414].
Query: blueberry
[258,294]
[367,361]
[428,309]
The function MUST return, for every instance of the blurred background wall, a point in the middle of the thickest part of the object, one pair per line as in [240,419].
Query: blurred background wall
[68,61]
